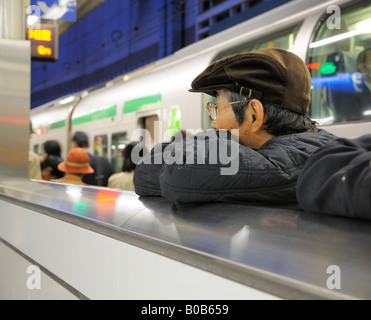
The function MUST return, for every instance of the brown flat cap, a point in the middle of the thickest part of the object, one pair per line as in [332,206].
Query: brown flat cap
[273,76]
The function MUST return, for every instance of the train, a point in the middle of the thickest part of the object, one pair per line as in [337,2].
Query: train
[153,102]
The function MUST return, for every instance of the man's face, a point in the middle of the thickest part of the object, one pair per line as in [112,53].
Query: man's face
[226,119]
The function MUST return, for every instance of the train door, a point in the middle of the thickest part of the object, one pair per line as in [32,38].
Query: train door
[119,141]
[149,125]
[101,145]
[37,148]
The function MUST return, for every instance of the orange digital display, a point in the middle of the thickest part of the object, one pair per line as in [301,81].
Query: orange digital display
[44,51]
[44,43]
[40,35]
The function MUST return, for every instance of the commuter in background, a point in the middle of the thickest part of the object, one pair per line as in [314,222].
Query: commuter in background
[52,148]
[124,179]
[260,140]
[76,166]
[34,170]
[102,168]
[337,179]
[49,168]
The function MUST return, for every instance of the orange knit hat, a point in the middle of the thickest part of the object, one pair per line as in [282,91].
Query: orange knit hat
[77,161]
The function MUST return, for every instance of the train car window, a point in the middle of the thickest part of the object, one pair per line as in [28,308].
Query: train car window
[119,141]
[341,78]
[283,39]
[36,148]
[100,145]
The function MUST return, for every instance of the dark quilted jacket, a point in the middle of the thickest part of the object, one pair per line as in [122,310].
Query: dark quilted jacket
[337,179]
[211,166]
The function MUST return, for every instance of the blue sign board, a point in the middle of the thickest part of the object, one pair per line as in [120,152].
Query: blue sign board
[56,9]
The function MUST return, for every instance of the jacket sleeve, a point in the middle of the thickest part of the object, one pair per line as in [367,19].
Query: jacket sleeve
[148,170]
[337,179]
[212,166]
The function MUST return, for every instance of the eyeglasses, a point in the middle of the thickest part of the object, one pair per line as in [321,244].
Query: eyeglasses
[212,108]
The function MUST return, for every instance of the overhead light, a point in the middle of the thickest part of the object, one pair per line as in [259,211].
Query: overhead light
[361,27]
[67,100]
[333,39]
[364,25]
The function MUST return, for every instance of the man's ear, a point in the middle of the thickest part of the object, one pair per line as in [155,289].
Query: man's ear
[257,115]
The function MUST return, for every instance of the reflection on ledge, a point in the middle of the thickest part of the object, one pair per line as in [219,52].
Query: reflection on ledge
[219,237]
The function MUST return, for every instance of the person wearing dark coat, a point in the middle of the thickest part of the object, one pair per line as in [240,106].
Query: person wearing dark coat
[49,167]
[101,166]
[336,179]
[52,148]
[260,141]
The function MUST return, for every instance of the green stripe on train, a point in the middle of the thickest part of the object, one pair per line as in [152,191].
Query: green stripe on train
[142,104]
[96,115]
[57,124]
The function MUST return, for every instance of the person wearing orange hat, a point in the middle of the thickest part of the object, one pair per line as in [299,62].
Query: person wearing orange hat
[75,166]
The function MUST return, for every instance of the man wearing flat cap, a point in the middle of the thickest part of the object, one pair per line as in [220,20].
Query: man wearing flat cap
[260,117]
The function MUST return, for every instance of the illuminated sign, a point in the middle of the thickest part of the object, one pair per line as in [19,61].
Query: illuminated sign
[314,65]
[328,68]
[40,35]
[38,132]
[44,43]
[57,9]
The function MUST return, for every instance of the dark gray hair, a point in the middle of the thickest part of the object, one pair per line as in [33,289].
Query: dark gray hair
[238,108]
